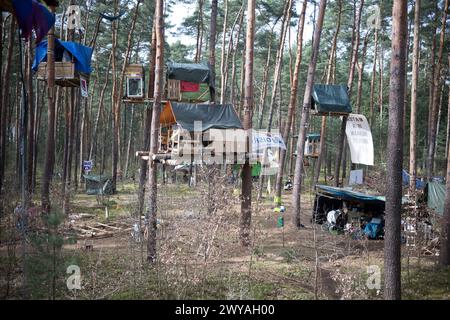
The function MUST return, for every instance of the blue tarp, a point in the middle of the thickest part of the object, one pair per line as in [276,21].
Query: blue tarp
[82,54]
[405,177]
[349,195]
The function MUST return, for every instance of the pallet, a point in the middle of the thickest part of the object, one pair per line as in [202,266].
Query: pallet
[100,230]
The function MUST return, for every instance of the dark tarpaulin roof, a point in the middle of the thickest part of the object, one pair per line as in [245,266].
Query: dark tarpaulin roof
[345,194]
[313,136]
[82,54]
[192,72]
[219,116]
[330,99]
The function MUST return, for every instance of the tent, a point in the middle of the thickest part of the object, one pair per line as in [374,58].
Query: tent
[218,116]
[81,54]
[330,99]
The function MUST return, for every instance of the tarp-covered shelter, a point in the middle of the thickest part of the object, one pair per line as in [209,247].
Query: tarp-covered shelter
[189,82]
[332,198]
[218,116]
[82,54]
[330,100]
[71,60]
[312,145]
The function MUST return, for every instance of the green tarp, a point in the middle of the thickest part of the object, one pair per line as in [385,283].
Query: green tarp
[313,136]
[436,196]
[218,116]
[328,99]
[256,169]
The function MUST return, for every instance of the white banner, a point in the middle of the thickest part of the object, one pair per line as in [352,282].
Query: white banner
[264,140]
[359,139]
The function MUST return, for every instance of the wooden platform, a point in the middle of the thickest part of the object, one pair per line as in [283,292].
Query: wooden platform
[65,74]
[140,100]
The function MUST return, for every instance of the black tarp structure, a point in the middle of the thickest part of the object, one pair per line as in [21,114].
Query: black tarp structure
[218,116]
[330,99]
[192,72]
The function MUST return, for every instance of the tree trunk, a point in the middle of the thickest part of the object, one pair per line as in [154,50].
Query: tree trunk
[154,138]
[93,145]
[361,74]
[279,60]
[435,101]
[372,81]
[265,82]
[304,122]
[323,126]
[246,197]
[31,141]
[199,42]
[127,161]
[212,44]
[143,164]
[392,252]
[413,116]
[5,99]
[292,103]
[444,257]
[114,97]
[50,150]
[354,61]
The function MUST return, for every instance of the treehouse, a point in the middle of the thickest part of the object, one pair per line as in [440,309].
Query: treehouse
[72,62]
[312,145]
[330,100]
[218,127]
[135,80]
[188,82]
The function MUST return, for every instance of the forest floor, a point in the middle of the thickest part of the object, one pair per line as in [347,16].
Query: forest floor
[199,255]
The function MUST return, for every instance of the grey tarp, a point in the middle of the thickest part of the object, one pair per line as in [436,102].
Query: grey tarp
[219,116]
[436,196]
[192,72]
[98,184]
[330,99]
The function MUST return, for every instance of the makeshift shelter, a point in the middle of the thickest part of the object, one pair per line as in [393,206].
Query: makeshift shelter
[135,80]
[312,145]
[189,82]
[178,121]
[98,184]
[330,100]
[364,211]
[72,62]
